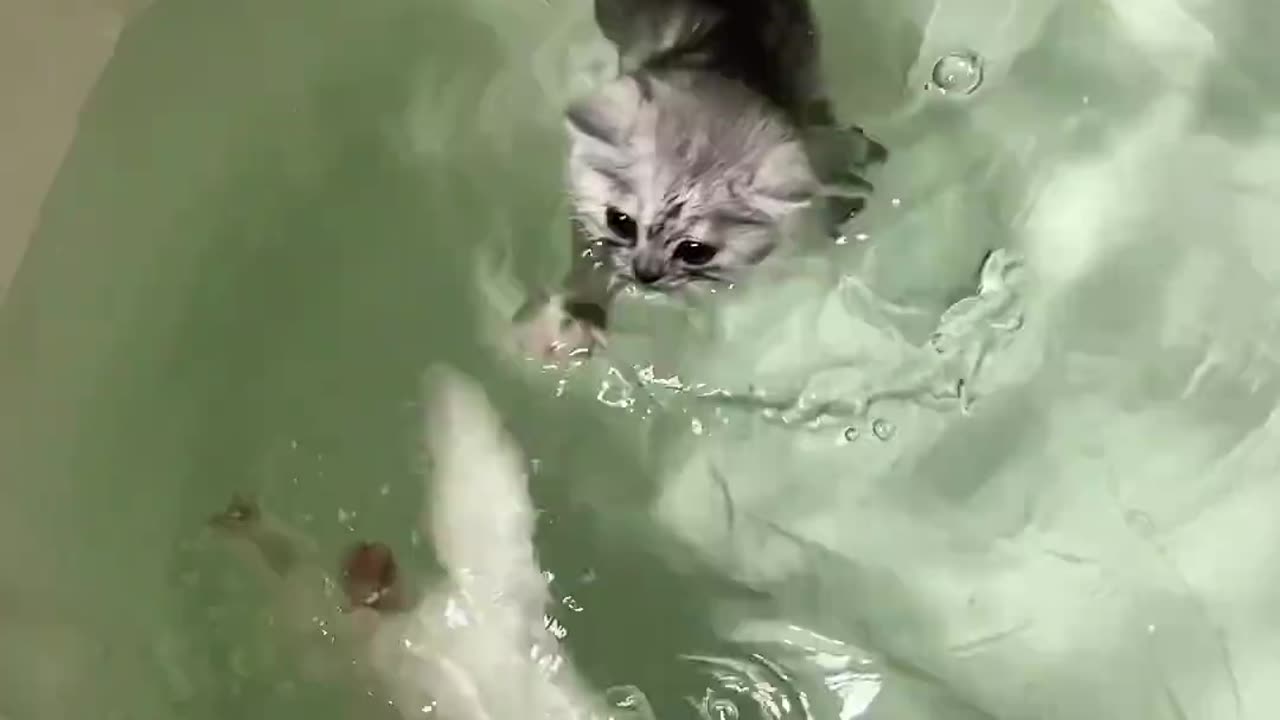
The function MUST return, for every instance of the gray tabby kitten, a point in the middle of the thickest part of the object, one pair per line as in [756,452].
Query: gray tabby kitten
[684,168]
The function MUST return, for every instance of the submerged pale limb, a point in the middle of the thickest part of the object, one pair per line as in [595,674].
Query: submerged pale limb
[474,644]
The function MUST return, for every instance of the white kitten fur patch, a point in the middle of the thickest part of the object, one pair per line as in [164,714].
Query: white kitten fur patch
[475,646]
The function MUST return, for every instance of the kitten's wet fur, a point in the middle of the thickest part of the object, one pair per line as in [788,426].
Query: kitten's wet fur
[684,168]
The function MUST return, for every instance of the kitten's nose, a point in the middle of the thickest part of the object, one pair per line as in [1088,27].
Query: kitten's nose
[646,273]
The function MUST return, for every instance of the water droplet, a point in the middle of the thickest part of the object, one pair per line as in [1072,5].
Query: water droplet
[862,237]
[883,429]
[842,240]
[958,72]
[896,202]
[851,434]
[630,700]
[696,425]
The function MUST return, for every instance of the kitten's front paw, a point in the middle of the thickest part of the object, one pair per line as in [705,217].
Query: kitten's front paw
[557,330]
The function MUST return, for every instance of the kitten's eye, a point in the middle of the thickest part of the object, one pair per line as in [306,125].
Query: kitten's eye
[620,223]
[692,252]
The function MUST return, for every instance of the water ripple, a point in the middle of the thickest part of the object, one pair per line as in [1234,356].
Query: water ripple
[742,689]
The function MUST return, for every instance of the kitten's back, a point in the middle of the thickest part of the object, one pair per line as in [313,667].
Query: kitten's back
[769,45]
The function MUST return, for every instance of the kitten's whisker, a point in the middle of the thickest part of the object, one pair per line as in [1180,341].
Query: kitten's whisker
[620,279]
[708,275]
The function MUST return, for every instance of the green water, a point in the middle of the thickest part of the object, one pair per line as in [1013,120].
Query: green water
[270,224]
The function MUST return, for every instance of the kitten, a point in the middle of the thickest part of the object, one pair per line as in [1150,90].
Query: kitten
[475,644]
[686,168]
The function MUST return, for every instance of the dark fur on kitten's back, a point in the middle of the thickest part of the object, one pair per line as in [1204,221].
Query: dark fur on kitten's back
[718,129]
[767,45]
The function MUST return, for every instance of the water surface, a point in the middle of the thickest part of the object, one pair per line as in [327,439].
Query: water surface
[1055,502]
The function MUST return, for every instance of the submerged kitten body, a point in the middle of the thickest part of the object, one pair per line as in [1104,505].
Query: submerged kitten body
[688,167]
[474,642]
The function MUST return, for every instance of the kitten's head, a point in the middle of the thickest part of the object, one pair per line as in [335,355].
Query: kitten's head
[682,182]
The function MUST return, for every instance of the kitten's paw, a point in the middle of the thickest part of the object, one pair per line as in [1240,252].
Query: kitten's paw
[844,156]
[866,152]
[557,330]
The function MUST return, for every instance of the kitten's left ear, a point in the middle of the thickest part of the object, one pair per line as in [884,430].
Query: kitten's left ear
[785,180]
[606,116]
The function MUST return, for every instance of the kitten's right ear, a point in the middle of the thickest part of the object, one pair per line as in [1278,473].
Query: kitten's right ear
[785,180]
[606,115]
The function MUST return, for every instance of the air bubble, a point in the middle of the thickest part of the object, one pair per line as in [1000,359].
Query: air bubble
[851,434]
[883,429]
[958,72]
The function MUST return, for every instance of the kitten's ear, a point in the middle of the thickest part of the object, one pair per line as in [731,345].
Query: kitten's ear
[606,115]
[785,180]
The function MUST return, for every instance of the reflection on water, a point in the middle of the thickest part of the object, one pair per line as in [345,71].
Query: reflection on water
[627,702]
[748,688]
